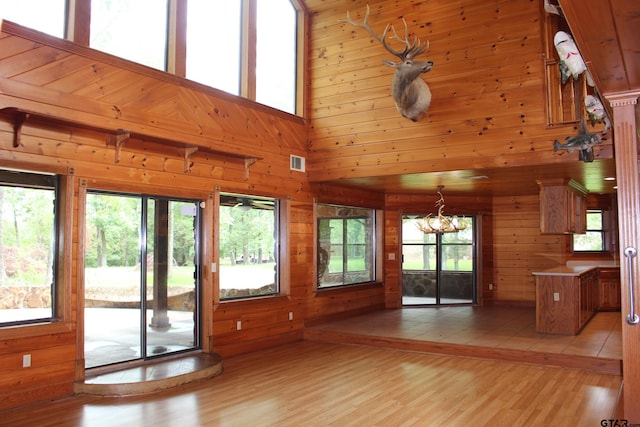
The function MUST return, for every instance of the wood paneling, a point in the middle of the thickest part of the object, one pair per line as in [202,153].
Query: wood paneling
[519,248]
[487,110]
[80,98]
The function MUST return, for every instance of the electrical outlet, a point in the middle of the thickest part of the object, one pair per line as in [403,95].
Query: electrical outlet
[238,325]
[291,315]
[491,285]
[26,360]
[556,296]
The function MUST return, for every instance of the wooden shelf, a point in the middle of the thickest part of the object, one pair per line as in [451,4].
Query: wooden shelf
[120,137]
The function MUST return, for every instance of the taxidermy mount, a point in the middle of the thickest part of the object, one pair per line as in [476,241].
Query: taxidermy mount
[410,93]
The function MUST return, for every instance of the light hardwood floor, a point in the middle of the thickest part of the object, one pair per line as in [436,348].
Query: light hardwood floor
[492,332]
[314,383]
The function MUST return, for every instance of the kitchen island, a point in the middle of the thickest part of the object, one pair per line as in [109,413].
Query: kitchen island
[566,299]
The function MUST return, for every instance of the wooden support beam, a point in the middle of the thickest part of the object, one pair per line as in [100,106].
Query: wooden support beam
[119,139]
[188,152]
[247,164]
[18,120]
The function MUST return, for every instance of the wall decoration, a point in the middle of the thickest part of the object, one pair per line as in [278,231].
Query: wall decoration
[410,93]
[596,112]
[583,142]
[571,63]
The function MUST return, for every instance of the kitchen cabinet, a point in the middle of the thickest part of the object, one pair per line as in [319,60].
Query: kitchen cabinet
[609,289]
[566,299]
[563,208]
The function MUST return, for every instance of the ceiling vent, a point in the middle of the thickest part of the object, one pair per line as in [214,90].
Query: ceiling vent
[297,163]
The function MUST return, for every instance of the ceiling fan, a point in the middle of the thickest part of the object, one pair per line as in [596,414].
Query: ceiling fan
[245,203]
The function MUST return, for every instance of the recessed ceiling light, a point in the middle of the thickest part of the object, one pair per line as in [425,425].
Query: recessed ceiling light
[610,178]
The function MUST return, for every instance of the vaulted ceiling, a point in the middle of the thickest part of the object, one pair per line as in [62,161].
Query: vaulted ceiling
[606,32]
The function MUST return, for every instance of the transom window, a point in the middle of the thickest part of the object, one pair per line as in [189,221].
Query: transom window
[49,18]
[220,53]
[247,48]
[346,245]
[28,254]
[249,246]
[132,29]
[594,239]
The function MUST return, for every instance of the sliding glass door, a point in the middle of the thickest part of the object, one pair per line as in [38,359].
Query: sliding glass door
[438,268]
[141,277]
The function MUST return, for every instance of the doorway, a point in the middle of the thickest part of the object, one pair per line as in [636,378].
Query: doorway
[142,277]
[438,269]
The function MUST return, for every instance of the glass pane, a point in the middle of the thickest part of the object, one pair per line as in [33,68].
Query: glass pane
[116,275]
[248,246]
[594,220]
[456,287]
[132,29]
[50,16]
[590,241]
[424,282]
[26,253]
[112,279]
[213,43]
[345,245]
[418,257]
[411,233]
[171,276]
[457,257]
[462,236]
[276,54]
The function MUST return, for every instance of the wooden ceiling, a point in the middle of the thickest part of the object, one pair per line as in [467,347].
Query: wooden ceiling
[607,34]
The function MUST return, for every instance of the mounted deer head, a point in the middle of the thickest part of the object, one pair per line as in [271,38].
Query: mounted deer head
[410,92]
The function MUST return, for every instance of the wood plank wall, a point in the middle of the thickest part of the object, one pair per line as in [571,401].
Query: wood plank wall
[520,249]
[488,110]
[488,105]
[80,97]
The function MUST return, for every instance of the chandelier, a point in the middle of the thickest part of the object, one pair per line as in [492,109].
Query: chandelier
[440,224]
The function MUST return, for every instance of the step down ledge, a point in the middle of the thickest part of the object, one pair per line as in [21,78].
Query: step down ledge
[152,377]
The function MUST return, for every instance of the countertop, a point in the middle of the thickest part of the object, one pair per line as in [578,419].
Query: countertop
[574,270]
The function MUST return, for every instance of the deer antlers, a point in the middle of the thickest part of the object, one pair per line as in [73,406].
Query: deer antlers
[410,51]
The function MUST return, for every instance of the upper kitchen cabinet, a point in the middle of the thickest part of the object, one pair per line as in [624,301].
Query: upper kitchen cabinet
[562,207]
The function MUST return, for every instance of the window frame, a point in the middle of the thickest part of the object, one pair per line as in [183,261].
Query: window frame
[78,17]
[373,236]
[602,232]
[60,320]
[279,232]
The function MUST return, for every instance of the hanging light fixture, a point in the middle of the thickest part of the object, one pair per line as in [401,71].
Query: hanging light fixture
[440,224]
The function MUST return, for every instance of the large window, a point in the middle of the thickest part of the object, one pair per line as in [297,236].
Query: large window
[593,240]
[132,29]
[276,55]
[249,246]
[247,48]
[265,71]
[27,247]
[346,245]
[47,16]
[213,43]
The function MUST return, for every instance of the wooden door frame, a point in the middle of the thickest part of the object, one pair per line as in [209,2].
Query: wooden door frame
[626,153]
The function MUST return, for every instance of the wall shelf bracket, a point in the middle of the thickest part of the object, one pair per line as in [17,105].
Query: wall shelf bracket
[18,120]
[119,139]
[247,164]
[188,152]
